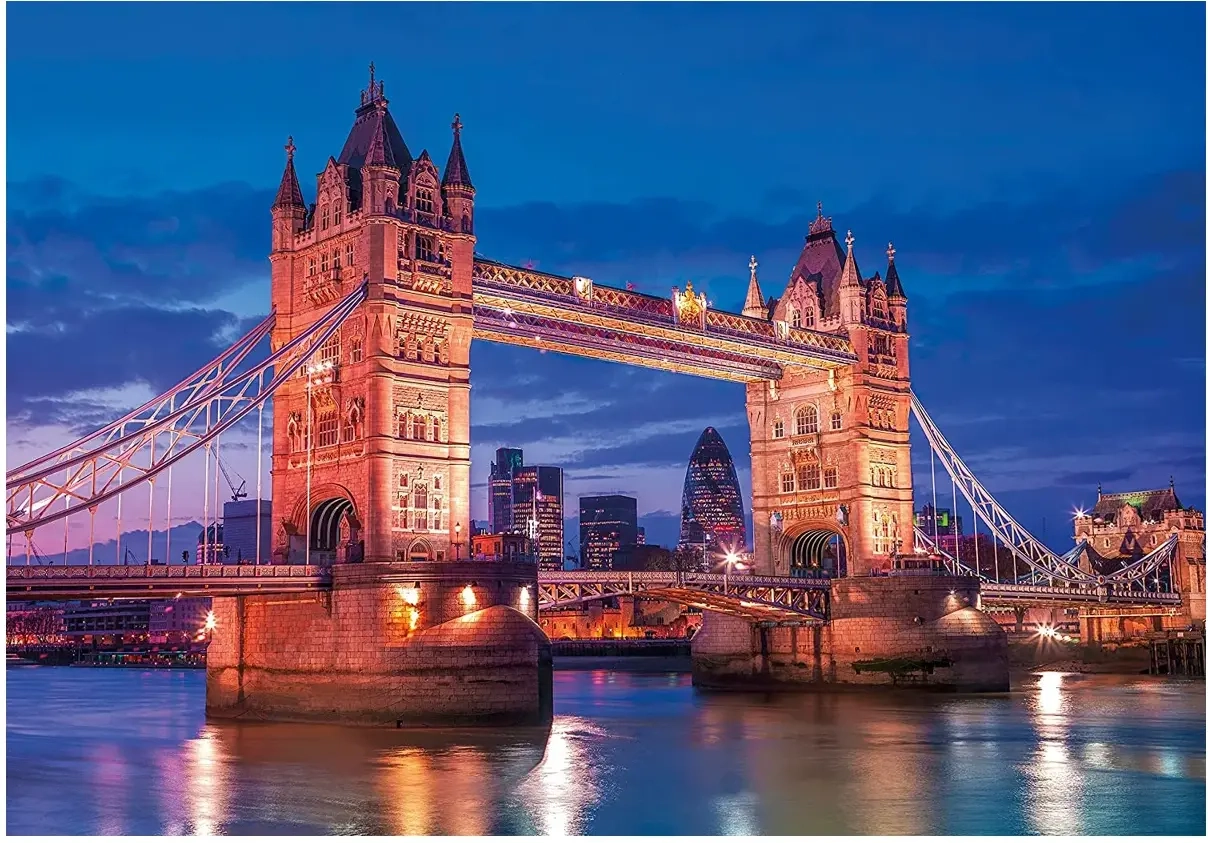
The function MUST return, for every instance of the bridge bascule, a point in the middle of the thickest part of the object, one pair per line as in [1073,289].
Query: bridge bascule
[377,293]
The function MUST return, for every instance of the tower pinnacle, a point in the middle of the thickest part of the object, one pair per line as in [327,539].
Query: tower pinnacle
[289,194]
[851,273]
[457,174]
[893,284]
[755,307]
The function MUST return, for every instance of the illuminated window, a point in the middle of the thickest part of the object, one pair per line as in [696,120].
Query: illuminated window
[794,317]
[809,317]
[831,477]
[425,249]
[329,430]
[778,429]
[807,420]
[836,420]
[786,482]
[423,201]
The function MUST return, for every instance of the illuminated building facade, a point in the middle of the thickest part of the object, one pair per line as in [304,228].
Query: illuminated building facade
[608,525]
[712,511]
[537,511]
[499,488]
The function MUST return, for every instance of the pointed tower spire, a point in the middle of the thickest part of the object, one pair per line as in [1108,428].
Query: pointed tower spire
[755,307]
[289,194]
[893,284]
[851,272]
[456,171]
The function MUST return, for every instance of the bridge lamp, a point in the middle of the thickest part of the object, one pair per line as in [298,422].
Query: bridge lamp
[524,598]
[211,622]
[467,596]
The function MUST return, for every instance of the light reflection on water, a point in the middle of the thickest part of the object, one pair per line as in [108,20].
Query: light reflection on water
[626,754]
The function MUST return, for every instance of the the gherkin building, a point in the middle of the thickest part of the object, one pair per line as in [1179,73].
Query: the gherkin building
[712,512]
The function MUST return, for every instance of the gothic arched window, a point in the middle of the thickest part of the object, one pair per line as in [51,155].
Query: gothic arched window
[435,430]
[787,481]
[836,420]
[420,505]
[812,477]
[794,317]
[807,420]
[778,429]
[329,429]
[831,477]
[809,317]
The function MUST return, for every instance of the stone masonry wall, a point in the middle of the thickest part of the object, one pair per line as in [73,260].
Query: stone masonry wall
[379,650]
[898,630]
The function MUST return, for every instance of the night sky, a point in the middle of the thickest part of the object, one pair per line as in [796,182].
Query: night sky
[1039,168]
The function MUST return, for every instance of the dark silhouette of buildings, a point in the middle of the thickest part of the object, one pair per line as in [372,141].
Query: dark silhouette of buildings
[608,525]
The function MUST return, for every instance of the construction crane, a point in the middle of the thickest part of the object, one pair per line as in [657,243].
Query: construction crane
[236,493]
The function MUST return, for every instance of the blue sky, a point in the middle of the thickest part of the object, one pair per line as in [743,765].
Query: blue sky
[1039,167]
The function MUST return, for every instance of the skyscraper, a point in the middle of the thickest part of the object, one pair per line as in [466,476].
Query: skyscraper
[499,490]
[712,512]
[607,524]
[537,510]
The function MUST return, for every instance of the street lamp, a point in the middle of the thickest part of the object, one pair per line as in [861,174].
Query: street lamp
[731,558]
[457,541]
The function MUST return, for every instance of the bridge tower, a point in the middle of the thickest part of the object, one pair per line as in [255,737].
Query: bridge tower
[371,464]
[830,450]
[371,444]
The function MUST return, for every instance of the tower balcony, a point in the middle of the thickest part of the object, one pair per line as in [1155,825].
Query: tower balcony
[324,287]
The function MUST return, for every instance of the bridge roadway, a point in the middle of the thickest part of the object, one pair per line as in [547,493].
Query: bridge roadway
[754,597]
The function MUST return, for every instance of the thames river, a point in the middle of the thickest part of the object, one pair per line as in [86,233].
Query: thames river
[96,751]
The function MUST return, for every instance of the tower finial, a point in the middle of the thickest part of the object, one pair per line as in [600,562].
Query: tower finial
[819,209]
[1100,488]
[457,125]
[850,240]
[891,251]
[1172,482]
[289,149]
[754,263]
[371,72]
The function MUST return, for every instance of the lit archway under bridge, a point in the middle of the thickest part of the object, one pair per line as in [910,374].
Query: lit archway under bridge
[334,526]
[818,551]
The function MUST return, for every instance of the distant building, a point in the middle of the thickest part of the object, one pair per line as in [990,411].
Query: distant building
[527,499]
[608,524]
[501,547]
[127,621]
[177,621]
[712,513]
[239,519]
[499,488]
[641,535]
[938,522]
[537,511]
[210,548]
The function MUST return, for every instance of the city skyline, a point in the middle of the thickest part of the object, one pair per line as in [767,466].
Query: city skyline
[975,252]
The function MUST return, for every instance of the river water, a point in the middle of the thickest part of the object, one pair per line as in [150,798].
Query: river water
[95,751]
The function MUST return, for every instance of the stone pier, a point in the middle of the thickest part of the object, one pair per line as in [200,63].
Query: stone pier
[389,645]
[906,629]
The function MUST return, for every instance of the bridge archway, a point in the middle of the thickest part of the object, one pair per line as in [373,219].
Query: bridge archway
[419,551]
[813,550]
[334,529]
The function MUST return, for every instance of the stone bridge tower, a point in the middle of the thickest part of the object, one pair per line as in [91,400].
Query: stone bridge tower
[830,451]
[371,444]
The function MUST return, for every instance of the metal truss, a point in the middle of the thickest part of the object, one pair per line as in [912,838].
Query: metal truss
[949,561]
[758,597]
[576,316]
[73,582]
[137,450]
[1007,530]
[202,382]
[1011,595]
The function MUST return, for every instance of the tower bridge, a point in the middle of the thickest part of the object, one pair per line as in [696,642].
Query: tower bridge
[364,612]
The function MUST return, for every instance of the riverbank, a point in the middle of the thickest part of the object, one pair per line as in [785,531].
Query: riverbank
[1129,659]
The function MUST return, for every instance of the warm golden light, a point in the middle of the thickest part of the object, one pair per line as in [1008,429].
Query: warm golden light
[412,618]
[409,595]
[467,596]
[211,622]
[524,598]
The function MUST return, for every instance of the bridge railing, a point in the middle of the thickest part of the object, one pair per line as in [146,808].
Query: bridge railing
[684,578]
[132,572]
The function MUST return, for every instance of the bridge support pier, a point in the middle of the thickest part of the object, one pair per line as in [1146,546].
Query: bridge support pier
[389,645]
[907,630]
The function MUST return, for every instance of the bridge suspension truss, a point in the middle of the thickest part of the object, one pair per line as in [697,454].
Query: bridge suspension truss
[1041,562]
[147,442]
